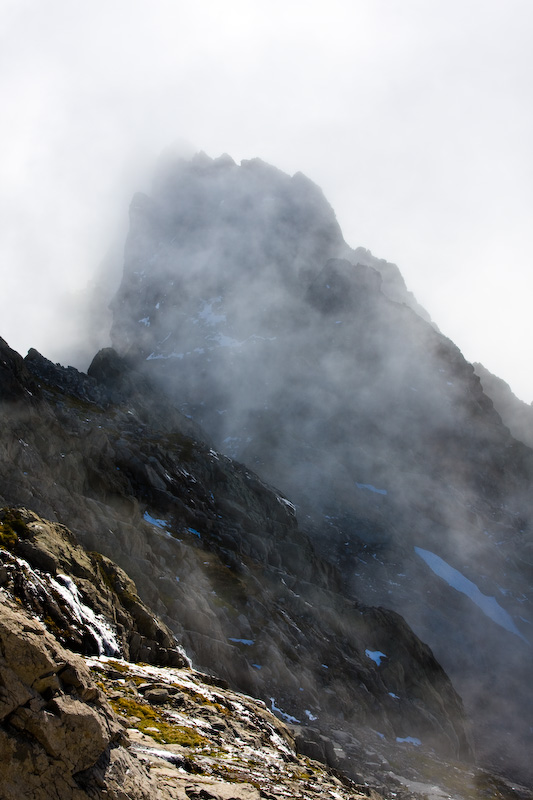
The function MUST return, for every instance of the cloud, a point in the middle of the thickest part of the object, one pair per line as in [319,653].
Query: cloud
[413,117]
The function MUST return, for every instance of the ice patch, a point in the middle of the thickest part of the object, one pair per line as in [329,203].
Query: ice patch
[310,716]
[145,321]
[371,488]
[391,694]
[409,740]
[375,656]
[194,532]
[455,579]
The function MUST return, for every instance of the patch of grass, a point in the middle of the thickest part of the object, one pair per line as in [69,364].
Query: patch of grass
[150,719]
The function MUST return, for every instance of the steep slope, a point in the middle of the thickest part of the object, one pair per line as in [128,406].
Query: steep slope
[517,415]
[216,553]
[312,364]
[59,734]
[129,731]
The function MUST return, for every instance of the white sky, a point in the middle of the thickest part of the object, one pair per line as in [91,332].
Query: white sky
[414,117]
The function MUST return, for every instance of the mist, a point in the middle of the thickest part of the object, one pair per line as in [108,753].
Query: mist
[415,121]
[312,364]
[268,314]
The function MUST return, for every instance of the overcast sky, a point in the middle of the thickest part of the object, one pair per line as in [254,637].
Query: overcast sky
[414,117]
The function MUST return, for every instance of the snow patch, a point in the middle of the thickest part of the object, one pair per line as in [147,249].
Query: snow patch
[159,523]
[97,624]
[154,356]
[370,488]
[286,502]
[455,579]
[282,714]
[375,656]
[409,740]
[206,313]
[242,641]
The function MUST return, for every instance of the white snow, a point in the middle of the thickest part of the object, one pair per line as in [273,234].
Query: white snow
[206,313]
[309,715]
[371,488]
[145,321]
[99,627]
[224,341]
[391,694]
[286,717]
[242,641]
[159,523]
[375,655]
[154,356]
[455,579]
[409,740]
[286,502]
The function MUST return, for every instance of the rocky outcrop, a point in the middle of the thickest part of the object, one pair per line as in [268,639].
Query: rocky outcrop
[85,599]
[59,738]
[517,415]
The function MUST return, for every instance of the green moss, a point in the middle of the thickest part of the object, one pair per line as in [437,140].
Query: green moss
[116,665]
[12,528]
[8,537]
[153,724]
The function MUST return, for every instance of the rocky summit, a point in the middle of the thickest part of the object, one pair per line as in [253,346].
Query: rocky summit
[312,364]
[281,481]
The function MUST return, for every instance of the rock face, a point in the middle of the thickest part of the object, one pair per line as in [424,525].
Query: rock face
[59,738]
[517,415]
[216,552]
[87,601]
[310,362]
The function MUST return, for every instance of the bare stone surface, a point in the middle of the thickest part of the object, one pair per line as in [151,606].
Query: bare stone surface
[48,733]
